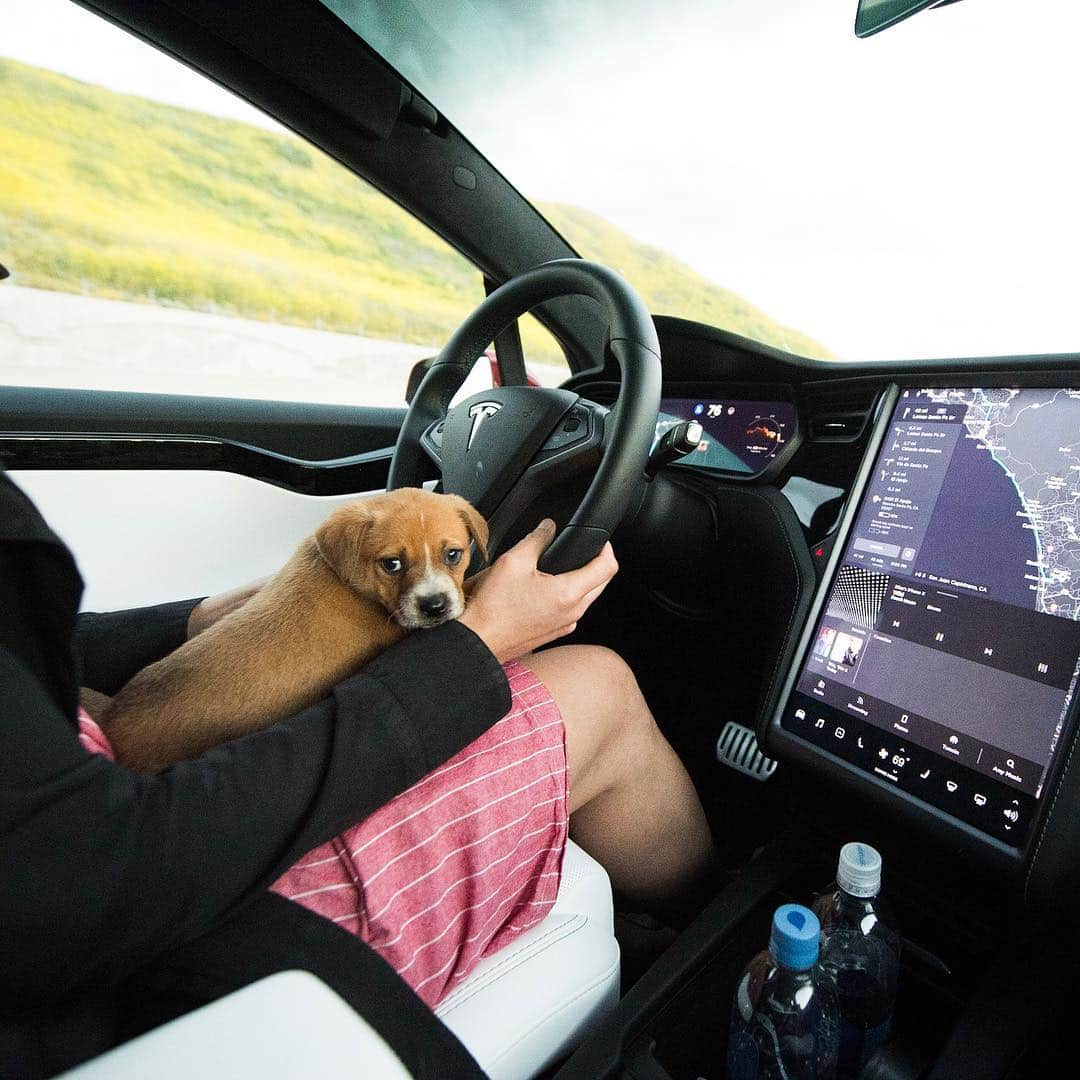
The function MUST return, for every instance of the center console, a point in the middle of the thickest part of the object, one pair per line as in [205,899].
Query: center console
[929,707]
[673,1024]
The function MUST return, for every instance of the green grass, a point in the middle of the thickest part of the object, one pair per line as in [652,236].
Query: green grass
[113,195]
[670,287]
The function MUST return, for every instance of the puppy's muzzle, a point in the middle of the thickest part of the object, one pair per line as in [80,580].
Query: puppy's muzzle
[434,606]
[431,607]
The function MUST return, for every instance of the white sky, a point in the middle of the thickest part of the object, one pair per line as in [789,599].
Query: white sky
[58,34]
[914,194]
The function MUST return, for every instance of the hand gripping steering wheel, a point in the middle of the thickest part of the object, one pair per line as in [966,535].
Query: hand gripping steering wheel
[500,448]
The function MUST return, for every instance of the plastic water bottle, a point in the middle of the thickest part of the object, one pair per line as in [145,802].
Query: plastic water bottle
[861,954]
[785,1018]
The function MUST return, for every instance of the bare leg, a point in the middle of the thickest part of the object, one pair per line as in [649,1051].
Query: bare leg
[632,804]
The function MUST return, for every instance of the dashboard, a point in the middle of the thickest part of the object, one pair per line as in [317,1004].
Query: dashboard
[942,495]
[942,654]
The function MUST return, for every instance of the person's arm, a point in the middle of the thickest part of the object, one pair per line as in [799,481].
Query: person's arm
[112,646]
[105,869]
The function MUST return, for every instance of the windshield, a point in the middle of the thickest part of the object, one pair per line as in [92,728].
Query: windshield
[757,167]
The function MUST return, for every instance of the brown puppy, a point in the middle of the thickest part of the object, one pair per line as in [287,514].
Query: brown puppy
[373,570]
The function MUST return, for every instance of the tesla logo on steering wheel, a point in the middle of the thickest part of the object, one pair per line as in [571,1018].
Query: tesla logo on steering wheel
[479,413]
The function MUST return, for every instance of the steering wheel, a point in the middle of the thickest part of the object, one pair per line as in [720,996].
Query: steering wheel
[502,447]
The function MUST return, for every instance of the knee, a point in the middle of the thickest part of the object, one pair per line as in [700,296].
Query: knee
[628,725]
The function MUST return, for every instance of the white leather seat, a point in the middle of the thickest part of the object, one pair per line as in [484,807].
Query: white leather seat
[521,1009]
[527,1005]
[286,1026]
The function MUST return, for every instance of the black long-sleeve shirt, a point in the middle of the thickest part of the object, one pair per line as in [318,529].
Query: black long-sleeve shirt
[104,870]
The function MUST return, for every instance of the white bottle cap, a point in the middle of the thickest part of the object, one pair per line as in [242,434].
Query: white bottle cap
[858,871]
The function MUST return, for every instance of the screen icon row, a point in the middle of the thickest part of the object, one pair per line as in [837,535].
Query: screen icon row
[942,781]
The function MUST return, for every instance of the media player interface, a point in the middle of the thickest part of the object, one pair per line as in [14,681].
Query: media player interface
[947,655]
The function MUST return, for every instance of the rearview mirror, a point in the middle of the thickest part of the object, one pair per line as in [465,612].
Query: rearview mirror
[875,15]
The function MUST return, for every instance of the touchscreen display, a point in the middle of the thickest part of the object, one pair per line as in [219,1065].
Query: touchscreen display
[740,436]
[947,653]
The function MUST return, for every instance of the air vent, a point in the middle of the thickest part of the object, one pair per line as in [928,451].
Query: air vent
[839,413]
[842,427]
[737,748]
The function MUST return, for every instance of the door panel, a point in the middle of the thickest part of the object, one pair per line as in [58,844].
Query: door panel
[147,537]
[312,432]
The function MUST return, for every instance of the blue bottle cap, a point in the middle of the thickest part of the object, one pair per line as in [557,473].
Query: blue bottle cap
[794,938]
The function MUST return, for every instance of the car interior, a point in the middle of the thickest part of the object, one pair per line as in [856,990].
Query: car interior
[844,589]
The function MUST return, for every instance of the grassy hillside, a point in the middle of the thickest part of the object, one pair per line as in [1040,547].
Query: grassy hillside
[669,286]
[117,196]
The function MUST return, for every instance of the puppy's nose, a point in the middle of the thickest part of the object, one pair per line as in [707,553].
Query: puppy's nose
[433,606]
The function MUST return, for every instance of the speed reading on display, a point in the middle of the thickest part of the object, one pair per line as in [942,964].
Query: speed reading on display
[740,437]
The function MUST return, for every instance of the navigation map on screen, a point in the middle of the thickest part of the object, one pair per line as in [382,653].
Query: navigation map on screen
[953,621]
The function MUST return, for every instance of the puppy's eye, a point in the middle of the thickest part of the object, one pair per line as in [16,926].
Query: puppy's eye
[452,556]
[392,566]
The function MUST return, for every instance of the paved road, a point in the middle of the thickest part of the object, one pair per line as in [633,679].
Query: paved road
[61,339]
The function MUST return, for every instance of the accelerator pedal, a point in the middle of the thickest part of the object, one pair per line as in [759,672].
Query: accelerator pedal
[737,748]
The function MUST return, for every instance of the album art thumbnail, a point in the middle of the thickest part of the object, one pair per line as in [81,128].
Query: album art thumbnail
[824,641]
[846,649]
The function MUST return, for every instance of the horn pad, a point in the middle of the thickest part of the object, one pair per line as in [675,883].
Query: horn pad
[490,439]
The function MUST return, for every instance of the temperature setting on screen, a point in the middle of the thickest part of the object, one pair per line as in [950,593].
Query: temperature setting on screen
[1000,809]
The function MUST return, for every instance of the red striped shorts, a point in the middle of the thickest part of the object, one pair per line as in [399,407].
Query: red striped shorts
[461,863]
[464,861]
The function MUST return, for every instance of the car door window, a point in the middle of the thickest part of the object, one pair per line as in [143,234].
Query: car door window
[164,236]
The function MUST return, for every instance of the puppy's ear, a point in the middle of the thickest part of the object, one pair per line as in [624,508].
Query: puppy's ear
[475,523]
[342,541]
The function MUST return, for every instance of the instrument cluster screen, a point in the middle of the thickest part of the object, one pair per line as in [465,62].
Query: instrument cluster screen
[740,436]
[947,654]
